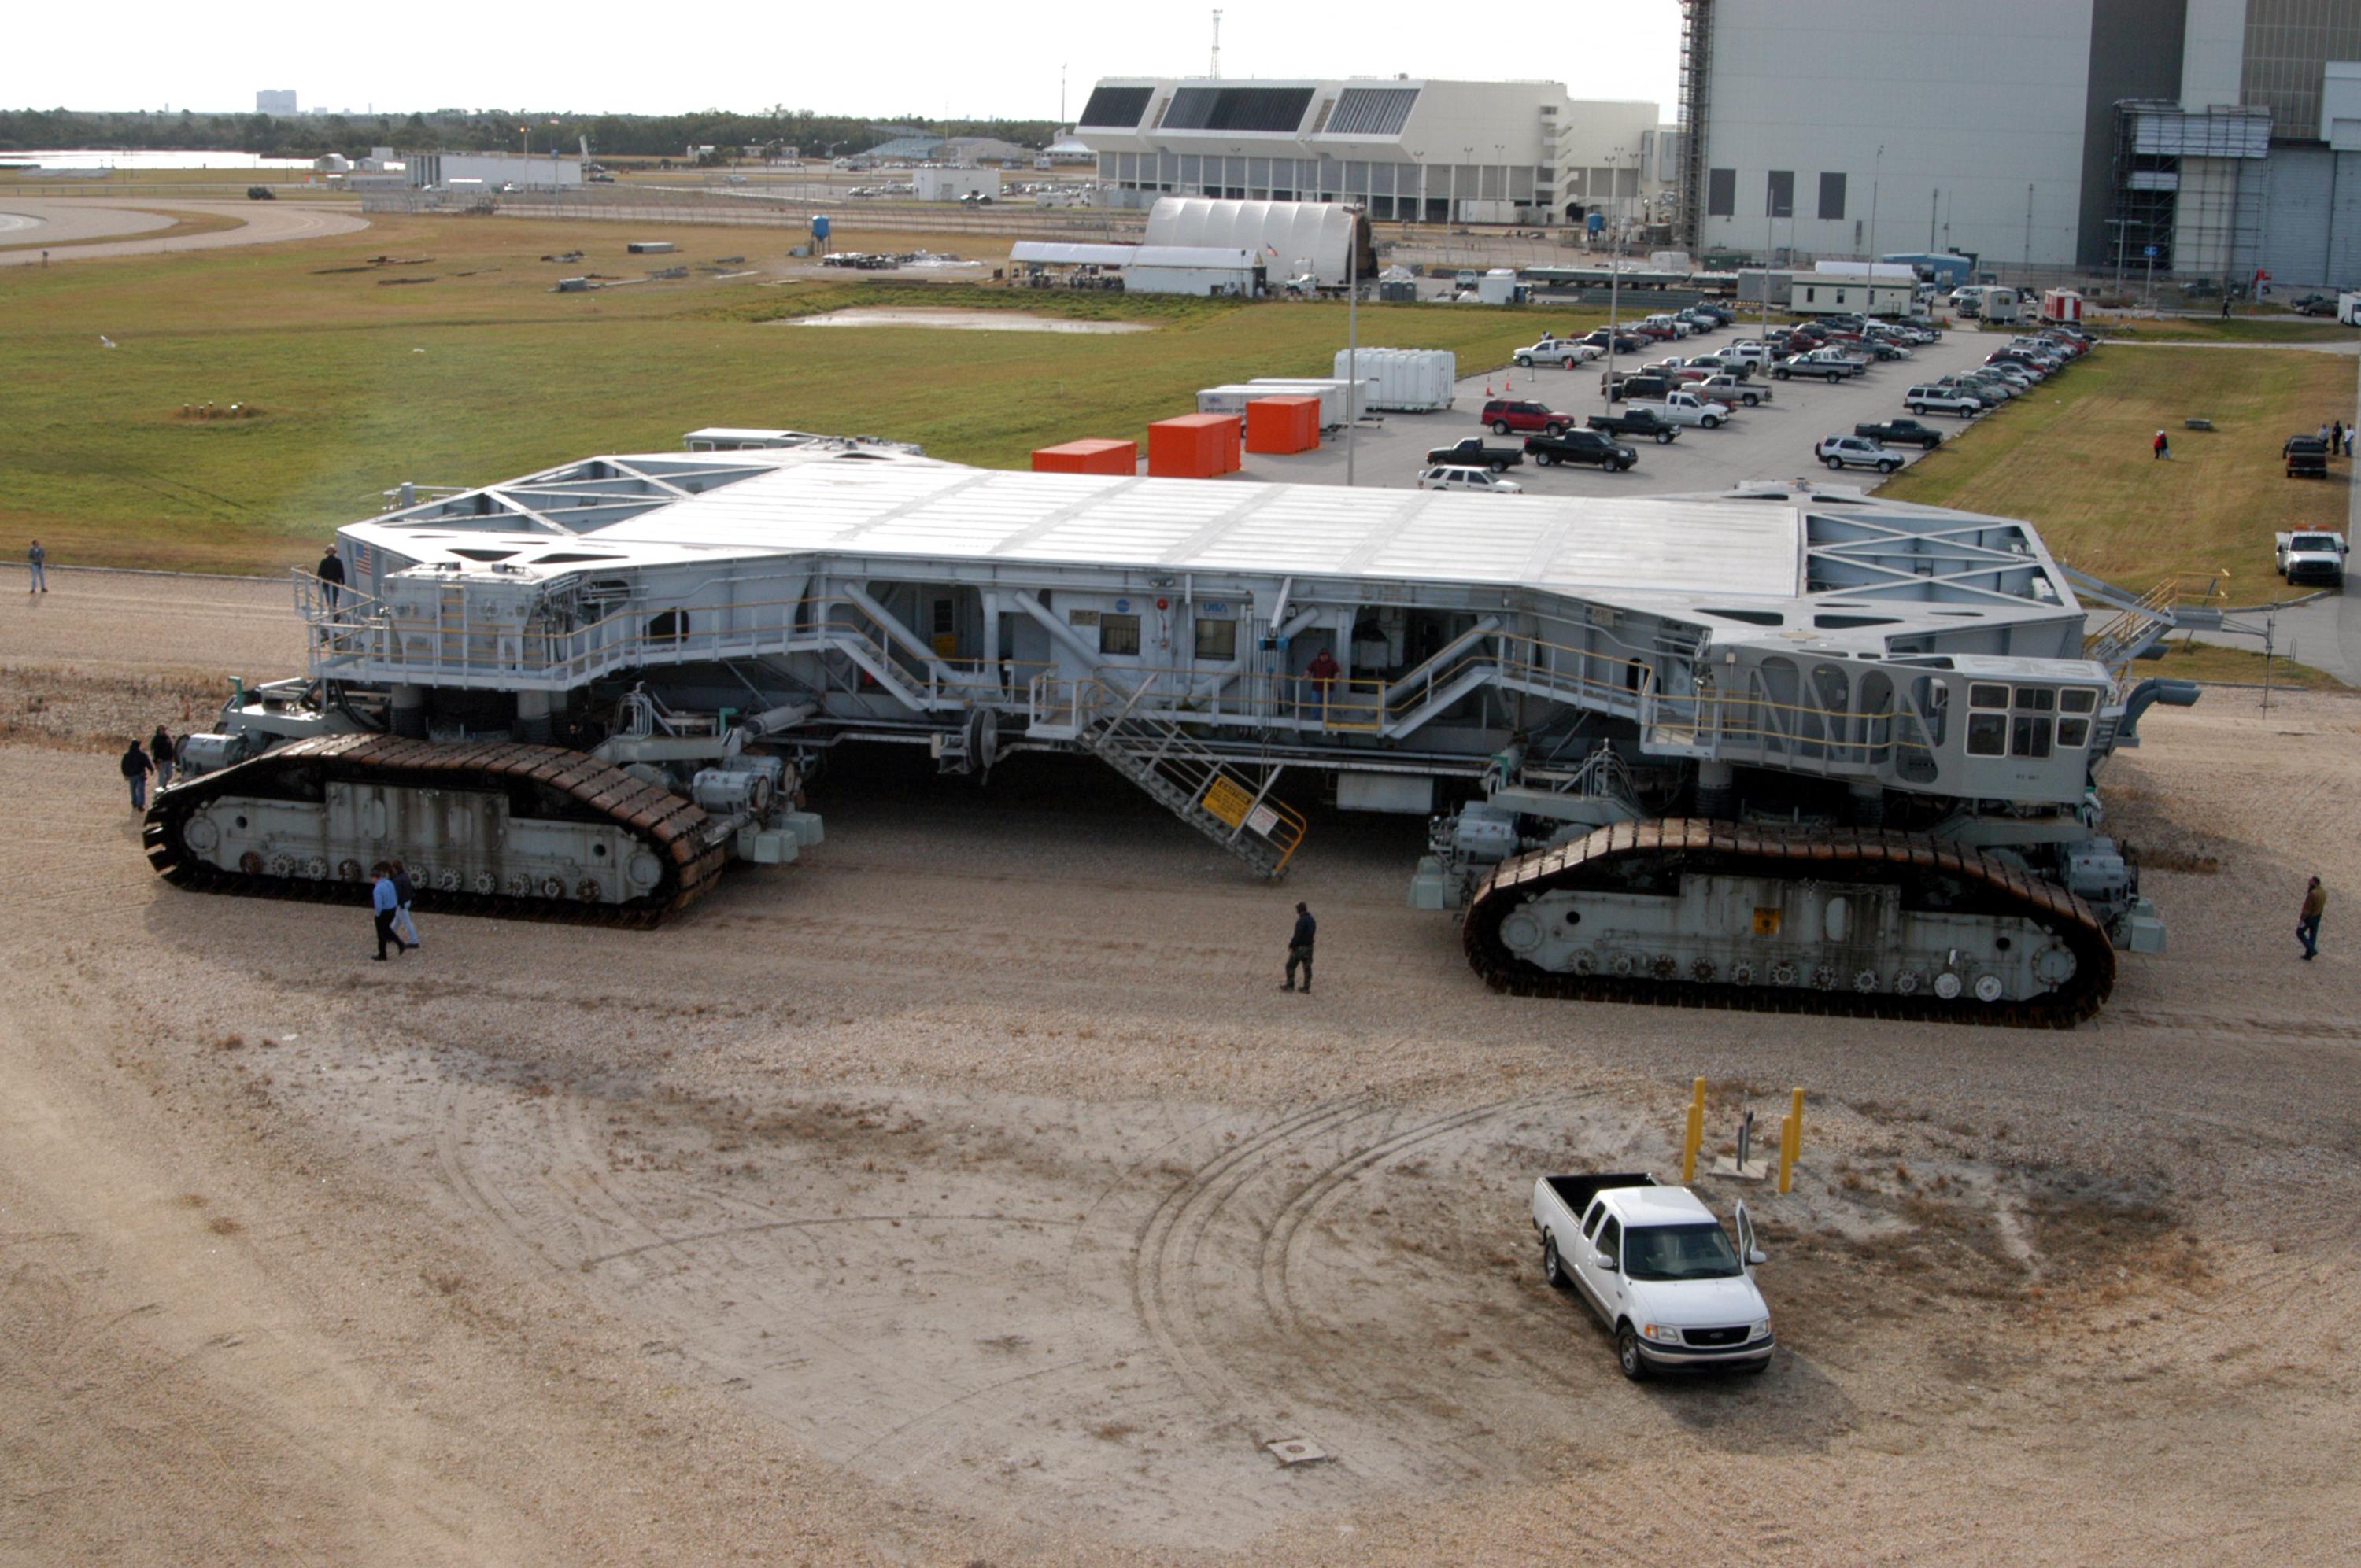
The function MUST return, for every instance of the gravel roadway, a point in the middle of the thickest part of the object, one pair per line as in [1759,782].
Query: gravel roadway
[59,221]
[968,1192]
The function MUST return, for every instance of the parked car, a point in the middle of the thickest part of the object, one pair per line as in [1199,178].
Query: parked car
[2312,556]
[1645,385]
[1503,415]
[1805,364]
[1901,432]
[2314,306]
[1472,453]
[1639,422]
[1659,1270]
[1748,351]
[1669,321]
[1856,451]
[1624,342]
[1581,447]
[261,194]
[2306,456]
[1446,476]
[1727,388]
[1938,399]
[1568,352]
[1685,409]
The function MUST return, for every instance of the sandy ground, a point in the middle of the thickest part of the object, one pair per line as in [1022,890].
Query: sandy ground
[964,320]
[968,1192]
[260,223]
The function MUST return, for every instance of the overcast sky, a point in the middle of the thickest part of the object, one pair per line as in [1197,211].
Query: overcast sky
[902,57]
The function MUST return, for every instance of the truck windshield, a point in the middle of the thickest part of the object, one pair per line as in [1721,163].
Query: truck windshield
[1679,1252]
[2312,542]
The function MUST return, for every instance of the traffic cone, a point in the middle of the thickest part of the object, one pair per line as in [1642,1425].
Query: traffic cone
[1508,383]
[1487,389]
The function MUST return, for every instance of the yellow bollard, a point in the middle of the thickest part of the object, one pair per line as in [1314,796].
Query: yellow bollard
[1695,1133]
[1791,1142]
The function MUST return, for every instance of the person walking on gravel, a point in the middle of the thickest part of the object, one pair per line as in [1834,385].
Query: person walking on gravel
[38,560]
[404,890]
[388,906]
[1299,949]
[135,769]
[161,752]
[2307,926]
[331,574]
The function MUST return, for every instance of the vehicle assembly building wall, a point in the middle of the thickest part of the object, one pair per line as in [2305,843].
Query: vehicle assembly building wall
[1408,149]
[1976,110]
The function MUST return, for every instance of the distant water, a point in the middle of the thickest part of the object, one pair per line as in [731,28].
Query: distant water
[87,159]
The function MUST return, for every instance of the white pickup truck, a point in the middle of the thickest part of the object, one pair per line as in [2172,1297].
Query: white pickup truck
[1687,409]
[1658,1269]
[2312,556]
[1567,351]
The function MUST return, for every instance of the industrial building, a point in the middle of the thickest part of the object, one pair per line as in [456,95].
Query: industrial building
[1403,148]
[1200,245]
[2212,139]
[275,101]
[491,170]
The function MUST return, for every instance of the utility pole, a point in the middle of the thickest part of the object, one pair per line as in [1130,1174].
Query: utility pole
[1869,279]
[1934,201]
[1217,45]
[1614,281]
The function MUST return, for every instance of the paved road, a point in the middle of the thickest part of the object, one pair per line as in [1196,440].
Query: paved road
[1773,441]
[58,220]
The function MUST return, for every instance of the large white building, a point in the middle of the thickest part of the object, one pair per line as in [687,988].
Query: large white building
[1404,146]
[2054,133]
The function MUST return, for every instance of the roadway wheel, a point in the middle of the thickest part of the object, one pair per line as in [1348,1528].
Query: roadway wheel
[1544,459]
[1888,467]
[1836,464]
[1664,438]
[1918,409]
[1525,361]
[1553,429]
[1627,1354]
[1500,427]
[1710,422]
[1551,1270]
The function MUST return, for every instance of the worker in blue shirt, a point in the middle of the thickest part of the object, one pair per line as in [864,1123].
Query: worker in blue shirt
[387,904]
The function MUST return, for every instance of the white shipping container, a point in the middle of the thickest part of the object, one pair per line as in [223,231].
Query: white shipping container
[1412,379]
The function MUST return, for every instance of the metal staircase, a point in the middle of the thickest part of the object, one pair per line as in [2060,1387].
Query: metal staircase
[1198,788]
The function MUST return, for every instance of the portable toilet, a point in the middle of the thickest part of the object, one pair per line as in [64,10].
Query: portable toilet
[1283,426]
[1193,447]
[1091,455]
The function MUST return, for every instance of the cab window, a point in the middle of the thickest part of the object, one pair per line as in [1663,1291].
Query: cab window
[1119,635]
[2030,727]
[1610,1243]
[1217,639]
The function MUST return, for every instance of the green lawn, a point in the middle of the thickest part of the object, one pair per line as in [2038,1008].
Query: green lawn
[2074,457]
[2202,661]
[483,373]
[2277,327]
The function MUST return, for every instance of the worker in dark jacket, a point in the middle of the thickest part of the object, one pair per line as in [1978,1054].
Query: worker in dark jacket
[331,574]
[1299,949]
[2307,925]
[135,769]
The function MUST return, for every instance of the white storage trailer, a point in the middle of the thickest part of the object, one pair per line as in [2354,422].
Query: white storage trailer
[1234,398]
[1413,380]
[1357,399]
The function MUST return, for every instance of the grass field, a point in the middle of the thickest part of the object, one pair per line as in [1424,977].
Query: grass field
[2211,661]
[2274,328]
[483,373]
[2074,457]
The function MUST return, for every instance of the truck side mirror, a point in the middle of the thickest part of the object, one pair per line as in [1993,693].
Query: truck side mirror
[1757,1256]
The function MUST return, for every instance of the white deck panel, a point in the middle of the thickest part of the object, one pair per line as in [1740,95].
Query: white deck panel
[934,510]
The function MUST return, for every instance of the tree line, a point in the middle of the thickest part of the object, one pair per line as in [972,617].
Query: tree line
[487,130]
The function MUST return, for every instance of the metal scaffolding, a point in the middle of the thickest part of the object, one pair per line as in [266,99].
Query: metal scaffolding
[2189,189]
[1696,75]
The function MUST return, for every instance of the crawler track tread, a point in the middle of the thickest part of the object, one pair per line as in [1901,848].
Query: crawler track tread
[1692,840]
[685,840]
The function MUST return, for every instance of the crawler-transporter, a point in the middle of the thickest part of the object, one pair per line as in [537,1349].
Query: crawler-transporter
[1790,746]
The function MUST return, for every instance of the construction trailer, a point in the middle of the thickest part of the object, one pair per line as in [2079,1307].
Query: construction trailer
[1789,746]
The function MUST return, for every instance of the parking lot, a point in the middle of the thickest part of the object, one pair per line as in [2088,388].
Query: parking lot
[1772,442]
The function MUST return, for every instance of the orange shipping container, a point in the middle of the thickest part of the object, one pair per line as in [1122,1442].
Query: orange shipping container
[1282,424]
[1093,455]
[1193,447]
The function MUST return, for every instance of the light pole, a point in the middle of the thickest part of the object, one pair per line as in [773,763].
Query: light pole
[1351,335]
[1869,290]
[1614,276]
